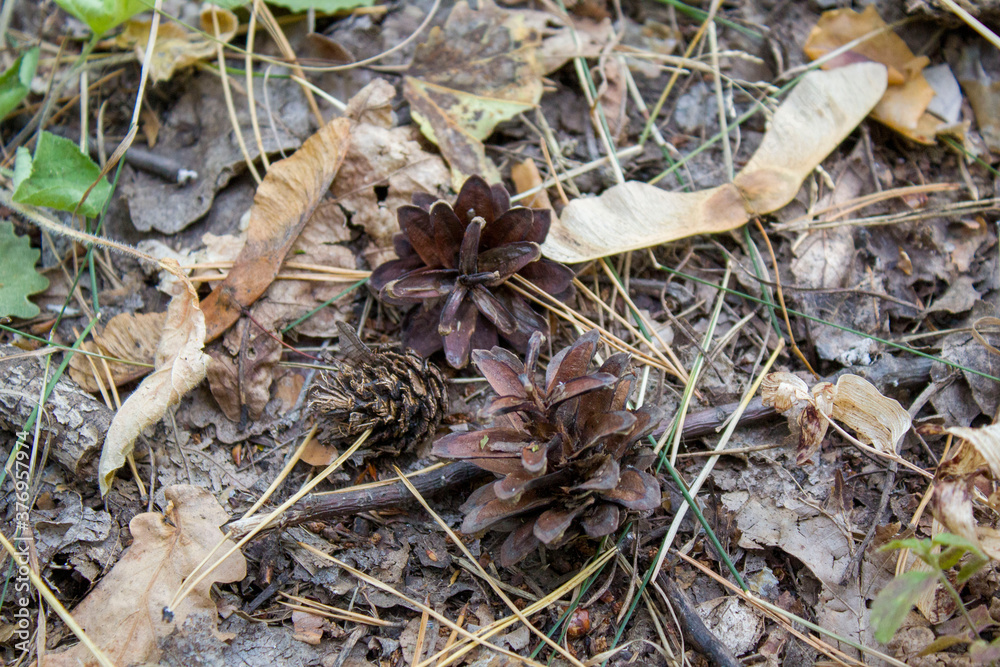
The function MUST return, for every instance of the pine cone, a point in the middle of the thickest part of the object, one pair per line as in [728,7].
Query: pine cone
[566,449]
[454,261]
[400,395]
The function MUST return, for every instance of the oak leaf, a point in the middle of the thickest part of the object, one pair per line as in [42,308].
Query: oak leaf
[123,615]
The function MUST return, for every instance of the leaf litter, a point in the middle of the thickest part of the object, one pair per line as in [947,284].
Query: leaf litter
[875,237]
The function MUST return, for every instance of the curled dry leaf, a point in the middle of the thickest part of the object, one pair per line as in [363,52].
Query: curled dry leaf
[783,391]
[815,117]
[176,45]
[477,70]
[284,202]
[853,401]
[128,336]
[952,506]
[124,613]
[878,421]
[180,364]
[985,441]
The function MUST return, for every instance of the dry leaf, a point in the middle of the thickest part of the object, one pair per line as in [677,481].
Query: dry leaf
[985,440]
[384,167]
[525,176]
[308,627]
[952,506]
[477,70]
[242,378]
[124,613]
[283,204]
[983,91]
[179,366]
[853,401]
[176,46]
[878,421]
[904,105]
[784,391]
[823,109]
[128,336]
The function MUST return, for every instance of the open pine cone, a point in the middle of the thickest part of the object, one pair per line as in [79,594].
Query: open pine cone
[566,449]
[454,261]
[399,395]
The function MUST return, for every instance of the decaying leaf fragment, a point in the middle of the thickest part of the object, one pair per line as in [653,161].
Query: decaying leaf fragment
[284,202]
[985,441]
[180,364]
[815,117]
[127,336]
[481,68]
[903,107]
[176,46]
[975,455]
[853,401]
[124,613]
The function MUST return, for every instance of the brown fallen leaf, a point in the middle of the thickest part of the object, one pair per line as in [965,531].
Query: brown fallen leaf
[176,45]
[124,613]
[384,167]
[241,378]
[815,117]
[903,107]
[180,364]
[128,336]
[283,204]
[477,70]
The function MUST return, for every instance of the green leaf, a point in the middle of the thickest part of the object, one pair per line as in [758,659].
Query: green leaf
[58,176]
[920,547]
[953,540]
[103,15]
[18,277]
[895,600]
[15,83]
[971,566]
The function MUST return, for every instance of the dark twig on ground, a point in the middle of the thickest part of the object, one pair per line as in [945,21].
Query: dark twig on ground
[694,629]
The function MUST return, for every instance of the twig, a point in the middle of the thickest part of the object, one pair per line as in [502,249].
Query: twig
[694,628]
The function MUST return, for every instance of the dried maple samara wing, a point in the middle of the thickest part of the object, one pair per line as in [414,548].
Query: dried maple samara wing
[812,121]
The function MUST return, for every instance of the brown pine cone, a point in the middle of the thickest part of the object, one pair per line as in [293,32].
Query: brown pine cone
[399,394]
[565,448]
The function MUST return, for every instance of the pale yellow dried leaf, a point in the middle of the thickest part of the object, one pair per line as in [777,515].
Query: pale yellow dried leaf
[815,117]
[784,391]
[176,46]
[124,613]
[878,421]
[986,441]
[179,366]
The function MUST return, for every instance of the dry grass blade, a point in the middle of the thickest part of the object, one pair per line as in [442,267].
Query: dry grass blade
[44,591]
[785,619]
[193,581]
[320,609]
[486,577]
[539,605]
[529,291]
[372,581]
